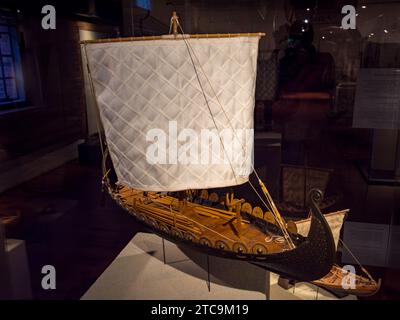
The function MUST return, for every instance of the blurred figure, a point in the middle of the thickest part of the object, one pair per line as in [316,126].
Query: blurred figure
[303,69]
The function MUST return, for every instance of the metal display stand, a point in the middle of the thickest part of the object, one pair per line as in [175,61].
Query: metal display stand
[267,285]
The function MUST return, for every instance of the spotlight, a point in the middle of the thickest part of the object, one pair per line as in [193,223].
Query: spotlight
[306,21]
[363,7]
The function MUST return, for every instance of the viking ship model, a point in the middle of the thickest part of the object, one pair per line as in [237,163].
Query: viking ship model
[146,86]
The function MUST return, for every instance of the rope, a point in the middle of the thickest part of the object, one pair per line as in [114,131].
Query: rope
[272,207]
[170,25]
[357,261]
[106,174]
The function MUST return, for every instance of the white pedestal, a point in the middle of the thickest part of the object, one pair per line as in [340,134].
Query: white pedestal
[139,272]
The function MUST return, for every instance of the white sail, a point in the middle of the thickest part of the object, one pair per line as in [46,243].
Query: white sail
[157,123]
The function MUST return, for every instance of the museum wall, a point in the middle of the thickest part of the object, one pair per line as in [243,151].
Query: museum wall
[54,113]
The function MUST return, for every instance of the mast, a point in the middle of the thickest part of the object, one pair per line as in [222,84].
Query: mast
[174,24]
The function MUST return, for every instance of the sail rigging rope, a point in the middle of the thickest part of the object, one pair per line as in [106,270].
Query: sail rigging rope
[209,109]
[357,261]
[272,207]
[170,25]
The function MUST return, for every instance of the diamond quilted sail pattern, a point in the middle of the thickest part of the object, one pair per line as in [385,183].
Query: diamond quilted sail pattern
[148,95]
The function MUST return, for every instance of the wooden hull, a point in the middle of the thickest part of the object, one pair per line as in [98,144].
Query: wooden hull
[246,240]
[333,282]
